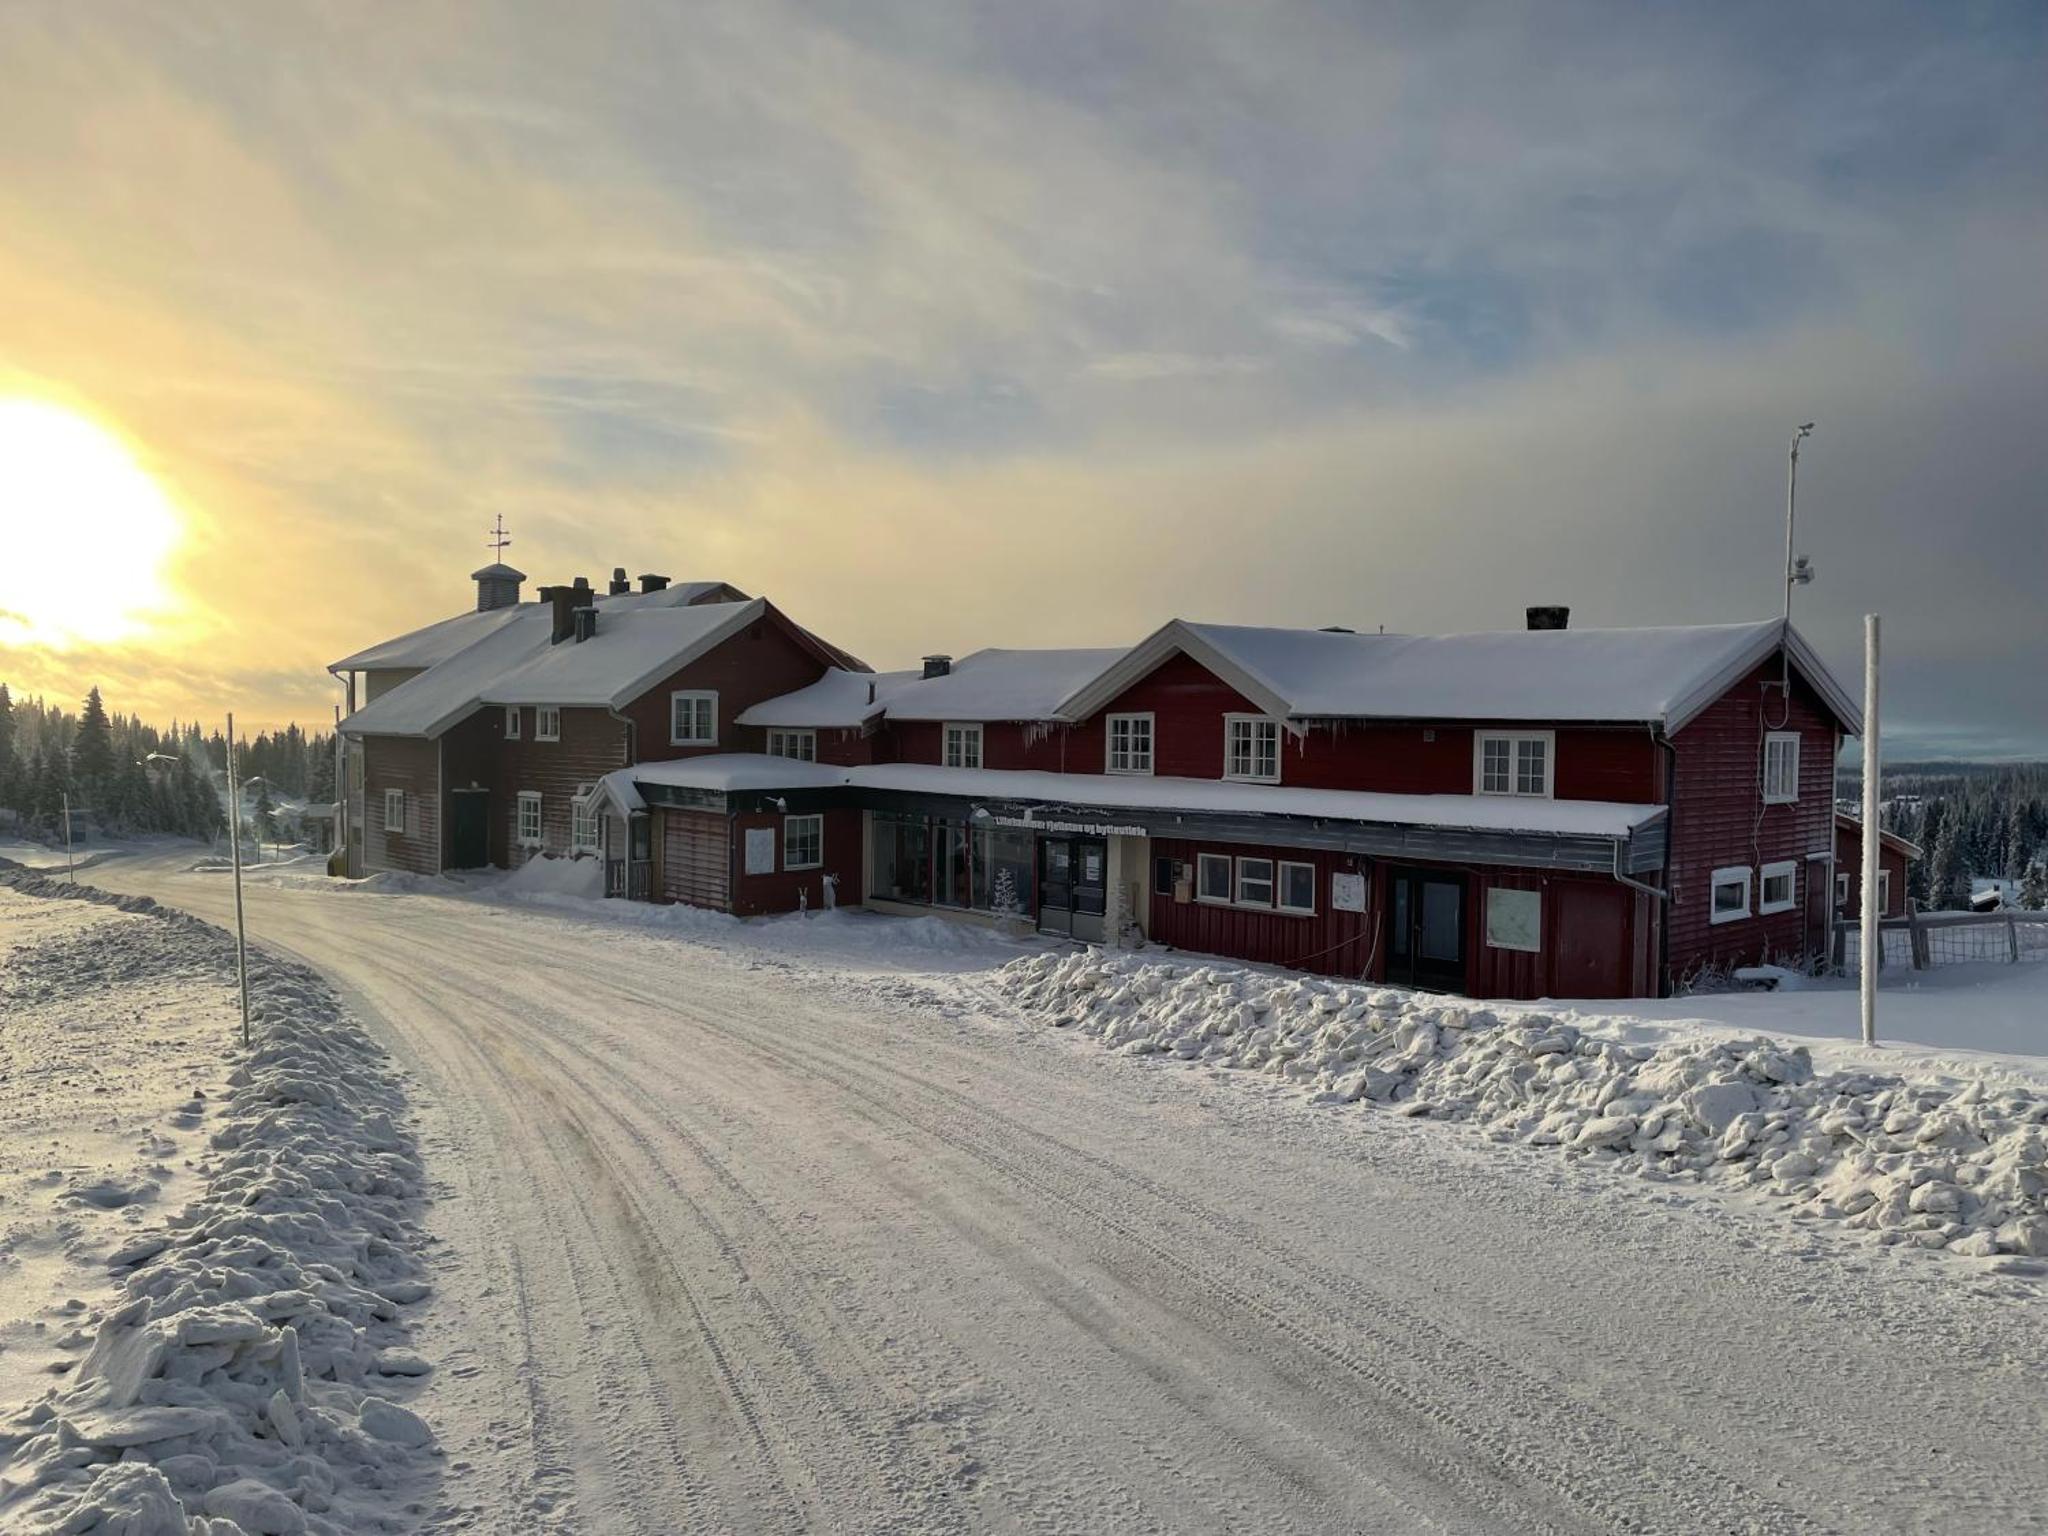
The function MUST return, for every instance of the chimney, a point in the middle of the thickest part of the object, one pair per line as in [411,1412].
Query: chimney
[619,583]
[563,600]
[653,583]
[582,584]
[586,624]
[937,666]
[1550,617]
[497,586]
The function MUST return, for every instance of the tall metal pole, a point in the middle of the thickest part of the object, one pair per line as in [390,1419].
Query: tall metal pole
[70,869]
[1792,515]
[1869,933]
[235,843]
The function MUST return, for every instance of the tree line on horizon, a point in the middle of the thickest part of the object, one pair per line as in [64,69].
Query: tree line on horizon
[1971,822]
[125,775]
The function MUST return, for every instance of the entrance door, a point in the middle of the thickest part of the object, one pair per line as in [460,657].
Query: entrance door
[1073,886]
[469,829]
[1426,929]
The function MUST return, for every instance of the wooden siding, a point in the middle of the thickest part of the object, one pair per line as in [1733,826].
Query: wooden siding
[469,757]
[593,744]
[1849,861]
[778,892]
[1719,820]
[764,661]
[412,766]
[1596,939]
[1330,942]
[696,858]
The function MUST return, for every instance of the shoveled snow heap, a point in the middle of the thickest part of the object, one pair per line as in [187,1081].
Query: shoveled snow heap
[1931,1164]
[244,1384]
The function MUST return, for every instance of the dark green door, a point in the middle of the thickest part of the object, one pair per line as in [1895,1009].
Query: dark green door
[469,829]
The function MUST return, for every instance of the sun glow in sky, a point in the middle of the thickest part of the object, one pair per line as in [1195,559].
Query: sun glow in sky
[86,531]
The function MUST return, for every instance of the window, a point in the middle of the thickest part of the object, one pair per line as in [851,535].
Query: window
[1164,873]
[1213,878]
[963,746]
[1298,888]
[1255,882]
[801,745]
[1512,763]
[803,842]
[1781,767]
[1514,919]
[547,722]
[394,810]
[1730,894]
[1841,893]
[1130,743]
[693,719]
[511,722]
[1884,893]
[1251,748]
[583,830]
[1780,892]
[529,819]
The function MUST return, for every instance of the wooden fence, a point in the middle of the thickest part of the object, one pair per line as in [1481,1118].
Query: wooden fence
[1923,940]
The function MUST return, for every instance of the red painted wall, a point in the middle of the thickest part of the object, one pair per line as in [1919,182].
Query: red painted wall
[1718,819]
[778,892]
[1849,861]
[763,661]
[1332,943]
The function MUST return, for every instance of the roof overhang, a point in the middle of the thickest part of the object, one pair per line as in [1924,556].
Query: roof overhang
[1683,709]
[1173,638]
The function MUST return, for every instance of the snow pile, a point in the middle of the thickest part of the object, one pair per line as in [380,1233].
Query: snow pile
[243,1382]
[1919,1162]
[546,875]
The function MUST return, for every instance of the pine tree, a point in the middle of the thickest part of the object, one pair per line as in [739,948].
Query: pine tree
[1948,874]
[92,751]
[2034,887]
[266,812]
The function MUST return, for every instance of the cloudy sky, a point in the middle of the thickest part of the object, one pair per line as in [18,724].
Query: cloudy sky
[1029,324]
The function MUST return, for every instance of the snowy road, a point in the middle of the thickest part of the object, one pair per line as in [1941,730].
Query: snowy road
[735,1242]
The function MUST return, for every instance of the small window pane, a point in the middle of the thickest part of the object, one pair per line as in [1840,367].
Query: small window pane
[1215,877]
[1255,882]
[1729,896]
[1298,887]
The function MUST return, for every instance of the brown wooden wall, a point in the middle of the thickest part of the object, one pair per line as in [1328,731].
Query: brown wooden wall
[593,744]
[695,854]
[1719,819]
[413,766]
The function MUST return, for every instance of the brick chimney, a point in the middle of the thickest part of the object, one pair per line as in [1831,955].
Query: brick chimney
[1550,617]
[497,586]
[619,584]
[653,583]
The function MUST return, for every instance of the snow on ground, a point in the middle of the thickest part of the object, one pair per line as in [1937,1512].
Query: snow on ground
[1908,1159]
[238,1366]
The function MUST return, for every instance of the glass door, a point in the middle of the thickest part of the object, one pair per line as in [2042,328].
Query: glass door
[1056,885]
[1426,929]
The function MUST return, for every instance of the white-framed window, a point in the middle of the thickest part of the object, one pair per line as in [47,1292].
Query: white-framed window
[1781,767]
[803,842]
[963,745]
[547,722]
[693,718]
[1129,743]
[1251,748]
[1255,882]
[1728,894]
[1884,893]
[1514,919]
[801,745]
[394,810]
[1513,762]
[529,818]
[511,722]
[1212,878]
[1779,891]
[583,827]
[1297,888]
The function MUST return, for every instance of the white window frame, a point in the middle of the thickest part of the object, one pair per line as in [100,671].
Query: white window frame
[1202,862]
[547,722]
[1789,870]
[1280,903]
[1238,897]
[1133,722]
[958,734]
[512,726]
[1728,875]
[582,815]
[1514,740]
[781,739]
[1780,739]
[1257,725]
[1841,893]
[528,797]
[789,823]
[708,697]
[1884,893]
[394,811]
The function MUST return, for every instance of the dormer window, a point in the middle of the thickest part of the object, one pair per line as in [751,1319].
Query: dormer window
[1512,763]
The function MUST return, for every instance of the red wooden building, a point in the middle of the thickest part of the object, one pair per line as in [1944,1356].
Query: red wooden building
[1894,853]
[1544,811]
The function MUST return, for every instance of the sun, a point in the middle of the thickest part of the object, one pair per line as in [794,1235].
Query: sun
[84,531]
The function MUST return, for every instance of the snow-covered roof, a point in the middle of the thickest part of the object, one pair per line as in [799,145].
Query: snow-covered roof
[843,699]
[1891,840]
[437,642]
[1001,685]
[728,772]
[634,645]
[1661,675]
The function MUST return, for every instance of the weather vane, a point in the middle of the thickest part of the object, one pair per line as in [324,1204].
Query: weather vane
[499,537]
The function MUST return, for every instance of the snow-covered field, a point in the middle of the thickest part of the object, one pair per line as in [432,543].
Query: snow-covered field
[205,1253]
[817,1224]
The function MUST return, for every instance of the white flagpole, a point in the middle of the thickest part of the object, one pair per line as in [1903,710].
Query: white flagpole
[1869,933]
[235,843]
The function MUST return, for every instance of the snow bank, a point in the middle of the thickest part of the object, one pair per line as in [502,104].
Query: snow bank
[547,875]
[244,1382]
[1930,1164]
